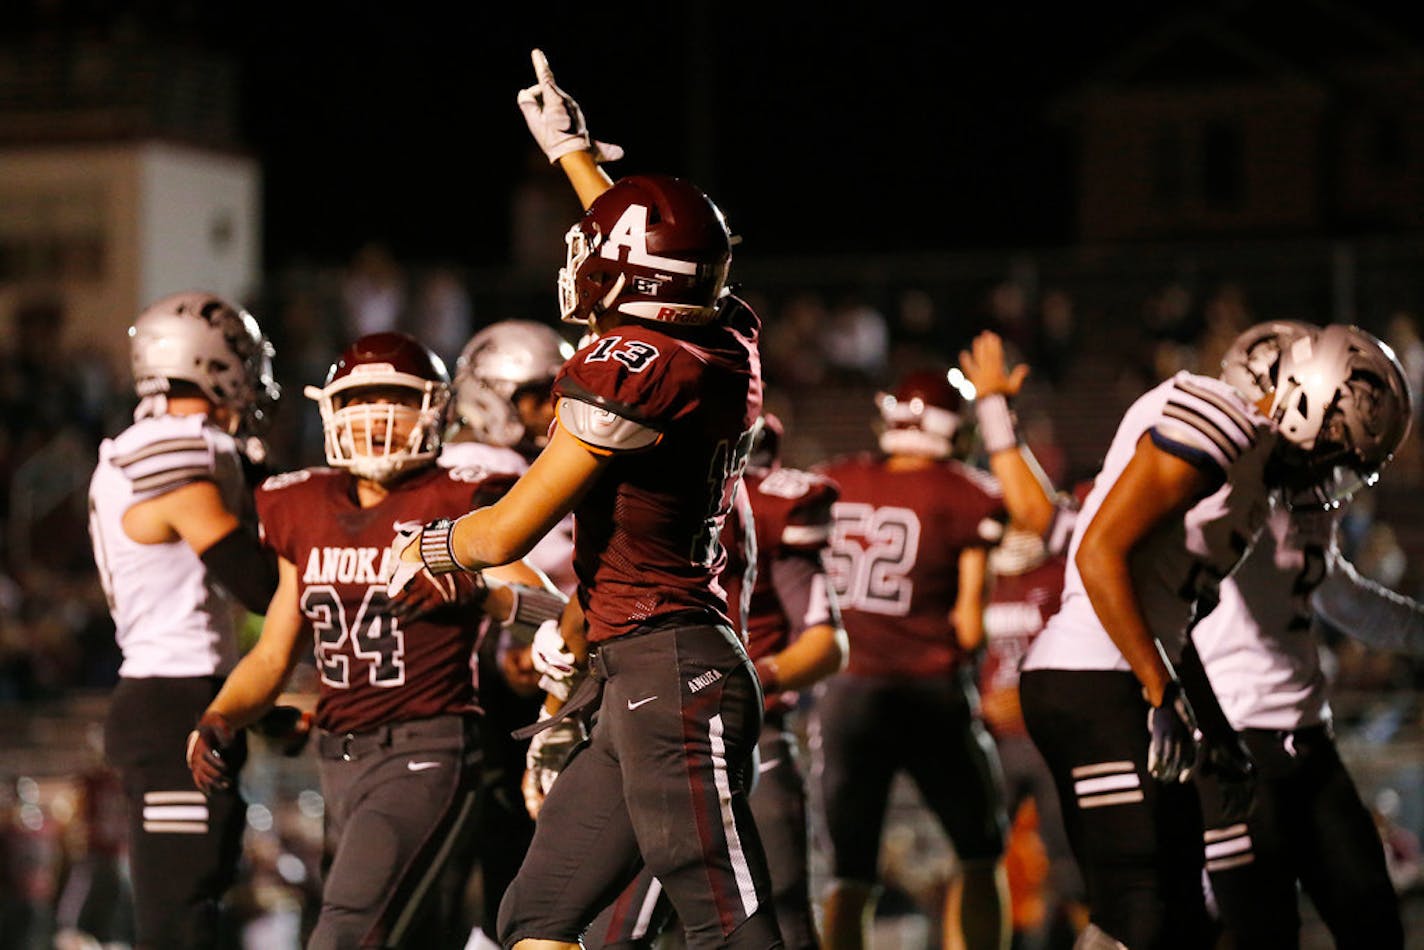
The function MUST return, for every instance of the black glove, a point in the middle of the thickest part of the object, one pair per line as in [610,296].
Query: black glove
[1172,737]
[209,746]
[288,727]
[1226,759]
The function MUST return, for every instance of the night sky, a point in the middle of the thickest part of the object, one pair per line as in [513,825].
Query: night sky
[815,131]
[819,128]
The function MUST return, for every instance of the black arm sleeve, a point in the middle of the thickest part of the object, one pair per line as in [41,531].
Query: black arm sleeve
[244,567]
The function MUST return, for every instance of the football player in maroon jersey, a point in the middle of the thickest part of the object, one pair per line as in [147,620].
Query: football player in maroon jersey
[654,421]
[395,719]
[912,528]
[781,598]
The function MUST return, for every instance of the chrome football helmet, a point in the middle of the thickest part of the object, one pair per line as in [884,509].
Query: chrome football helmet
[1342,405]
[499,363]
[383,406]
[200,338]
[1251,362]
[651,247]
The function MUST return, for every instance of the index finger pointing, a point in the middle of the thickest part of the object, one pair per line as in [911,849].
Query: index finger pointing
[542,72]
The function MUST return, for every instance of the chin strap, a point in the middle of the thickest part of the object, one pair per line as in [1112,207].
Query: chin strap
[606,301]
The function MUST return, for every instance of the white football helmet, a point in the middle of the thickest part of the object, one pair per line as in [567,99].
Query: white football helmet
[496,365]
[200,338]
[1250,364]
[1343,407]
[381,439]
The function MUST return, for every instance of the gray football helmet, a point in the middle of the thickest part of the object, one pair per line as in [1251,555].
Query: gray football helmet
[498,362]
[1342,404]
[200,338]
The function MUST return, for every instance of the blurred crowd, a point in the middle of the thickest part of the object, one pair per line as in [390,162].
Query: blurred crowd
[61,847]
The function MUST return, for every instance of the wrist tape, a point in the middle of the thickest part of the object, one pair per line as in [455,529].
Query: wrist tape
[996,423]
[435,550]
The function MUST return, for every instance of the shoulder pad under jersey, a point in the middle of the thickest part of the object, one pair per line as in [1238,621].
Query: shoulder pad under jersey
[167,452]
[1206,421]
[602,430]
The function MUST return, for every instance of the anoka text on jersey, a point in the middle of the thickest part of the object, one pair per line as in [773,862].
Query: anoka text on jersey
[347,566]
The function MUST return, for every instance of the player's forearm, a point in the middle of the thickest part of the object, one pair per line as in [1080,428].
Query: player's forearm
[1108,584]
[1027,496]
[969,626]
[817,653]
[585,174]
[486,538]
[252,688]
[1368,611]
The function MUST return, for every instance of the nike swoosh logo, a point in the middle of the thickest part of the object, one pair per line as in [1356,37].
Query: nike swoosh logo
[407,526]
[767,765]
[642,702]
[421,766]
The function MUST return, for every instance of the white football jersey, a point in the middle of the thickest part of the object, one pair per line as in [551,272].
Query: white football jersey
[170,618]
[1206,422]
[554,554]
[1257,646]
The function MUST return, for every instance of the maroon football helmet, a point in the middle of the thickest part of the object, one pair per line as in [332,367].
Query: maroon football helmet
[922,416]
[651,247]
[383,405]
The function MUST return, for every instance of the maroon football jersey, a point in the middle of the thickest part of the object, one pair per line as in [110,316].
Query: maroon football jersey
[646,539]
[373,669]
[1019,605]
[791,512]
[894,558]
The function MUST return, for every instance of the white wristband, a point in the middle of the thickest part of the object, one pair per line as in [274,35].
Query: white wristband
[996,423]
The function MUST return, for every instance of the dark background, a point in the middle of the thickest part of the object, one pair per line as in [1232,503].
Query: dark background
[818,127]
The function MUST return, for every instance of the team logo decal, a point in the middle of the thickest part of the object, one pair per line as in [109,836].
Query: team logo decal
[631,232]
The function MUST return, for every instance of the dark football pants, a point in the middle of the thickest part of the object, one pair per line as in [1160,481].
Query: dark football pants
[183,847]
[662,780]
[1308,824]
[1137,841]
[399,803]
[778,802]
[866,729]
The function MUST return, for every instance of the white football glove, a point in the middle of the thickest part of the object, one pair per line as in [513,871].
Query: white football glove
[548,751]
[555,662]
[555,119]
[404,571]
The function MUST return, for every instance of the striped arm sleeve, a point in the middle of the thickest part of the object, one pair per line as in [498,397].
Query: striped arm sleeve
[159,467]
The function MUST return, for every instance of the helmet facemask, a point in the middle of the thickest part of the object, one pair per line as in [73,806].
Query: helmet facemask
[381,440]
